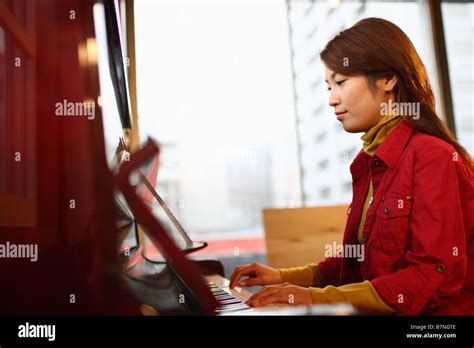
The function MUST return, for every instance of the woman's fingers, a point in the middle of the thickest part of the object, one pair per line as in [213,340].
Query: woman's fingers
[268,289]
[263,292]
[259,292]
[282,293]
[233,277]
[251,281]
[267,296]
[240,272]
[257,274]
[234,274]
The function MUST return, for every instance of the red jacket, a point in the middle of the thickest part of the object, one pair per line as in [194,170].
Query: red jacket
[418,235]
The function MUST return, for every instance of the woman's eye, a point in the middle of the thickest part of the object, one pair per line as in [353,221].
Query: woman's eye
[337,83]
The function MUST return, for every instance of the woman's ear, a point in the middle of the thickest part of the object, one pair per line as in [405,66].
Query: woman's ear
[389,83]
[386,83]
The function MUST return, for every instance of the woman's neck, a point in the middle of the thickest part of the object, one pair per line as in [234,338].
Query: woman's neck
[377,134]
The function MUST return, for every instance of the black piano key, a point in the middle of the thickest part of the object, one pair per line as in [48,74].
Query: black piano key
[221,294]
[224,296]
[230,301]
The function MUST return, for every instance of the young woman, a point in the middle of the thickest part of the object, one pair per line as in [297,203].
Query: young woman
[413,190]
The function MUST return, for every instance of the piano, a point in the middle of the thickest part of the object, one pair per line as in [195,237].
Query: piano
[60,184]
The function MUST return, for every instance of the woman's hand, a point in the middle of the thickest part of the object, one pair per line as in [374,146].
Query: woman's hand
[257,274]
[281,293]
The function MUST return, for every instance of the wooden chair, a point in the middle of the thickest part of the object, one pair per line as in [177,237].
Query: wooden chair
[298,236]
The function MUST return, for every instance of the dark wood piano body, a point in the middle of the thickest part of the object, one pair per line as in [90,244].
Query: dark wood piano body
[59,196]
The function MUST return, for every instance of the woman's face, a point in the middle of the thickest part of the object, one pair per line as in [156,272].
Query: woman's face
[355,104]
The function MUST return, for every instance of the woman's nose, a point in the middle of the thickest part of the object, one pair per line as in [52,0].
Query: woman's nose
[333,98]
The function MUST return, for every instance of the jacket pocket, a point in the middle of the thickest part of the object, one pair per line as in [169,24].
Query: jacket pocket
[392,225]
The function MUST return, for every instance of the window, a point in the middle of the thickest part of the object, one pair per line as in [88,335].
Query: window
[322,164]
[321,137]
[458,20]
[316,84]
[347,186]
[325,193]
[318,109]
[348,155]
[217,96]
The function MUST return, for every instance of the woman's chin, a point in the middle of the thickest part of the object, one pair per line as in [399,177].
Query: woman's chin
[350,128]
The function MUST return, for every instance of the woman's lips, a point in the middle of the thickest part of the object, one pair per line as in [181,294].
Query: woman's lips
[340,115]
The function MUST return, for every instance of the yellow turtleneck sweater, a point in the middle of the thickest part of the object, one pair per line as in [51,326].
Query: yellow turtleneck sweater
[361,294]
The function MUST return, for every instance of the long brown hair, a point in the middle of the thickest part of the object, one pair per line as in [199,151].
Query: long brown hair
[375,48]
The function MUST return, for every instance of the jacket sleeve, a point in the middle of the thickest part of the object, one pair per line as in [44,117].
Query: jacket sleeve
[436,257]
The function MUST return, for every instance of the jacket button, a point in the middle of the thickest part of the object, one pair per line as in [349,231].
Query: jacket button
[376,162]
[383,198]
[365,237]
[441,268]
[408,198]
[386,210]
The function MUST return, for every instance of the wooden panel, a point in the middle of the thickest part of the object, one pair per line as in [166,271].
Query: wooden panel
[18,190]
[298,236]
[76,247]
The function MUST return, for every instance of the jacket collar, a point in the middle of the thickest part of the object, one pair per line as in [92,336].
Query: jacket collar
[389,151]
